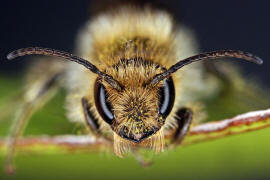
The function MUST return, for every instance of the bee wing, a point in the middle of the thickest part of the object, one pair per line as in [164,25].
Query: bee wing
[237,94]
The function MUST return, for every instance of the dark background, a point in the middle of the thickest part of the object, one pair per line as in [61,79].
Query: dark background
[229,24]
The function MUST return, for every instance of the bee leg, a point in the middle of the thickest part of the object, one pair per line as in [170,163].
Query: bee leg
[41,95]
[184,119]
[91,121]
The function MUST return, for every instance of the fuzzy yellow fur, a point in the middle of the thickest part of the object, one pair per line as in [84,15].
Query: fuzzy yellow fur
[113,38]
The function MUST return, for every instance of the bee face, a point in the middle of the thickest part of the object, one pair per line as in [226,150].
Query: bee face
[138,111]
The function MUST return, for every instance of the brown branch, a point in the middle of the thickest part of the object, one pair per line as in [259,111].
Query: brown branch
[65,143]
[244,119]
[212,130]
[239,124]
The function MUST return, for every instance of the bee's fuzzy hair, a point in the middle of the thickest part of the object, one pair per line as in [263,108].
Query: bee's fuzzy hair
[130,33]
[155,142]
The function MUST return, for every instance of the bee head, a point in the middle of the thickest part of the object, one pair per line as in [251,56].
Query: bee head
[138,111]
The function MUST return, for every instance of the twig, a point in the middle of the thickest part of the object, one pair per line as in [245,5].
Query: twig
[74,143]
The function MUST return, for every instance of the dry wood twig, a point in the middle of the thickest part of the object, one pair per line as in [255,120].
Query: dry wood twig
[82,143]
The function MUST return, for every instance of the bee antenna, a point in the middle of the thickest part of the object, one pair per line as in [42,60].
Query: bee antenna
[56,53]
[203,56]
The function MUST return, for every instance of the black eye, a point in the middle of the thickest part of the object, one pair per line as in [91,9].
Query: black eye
[166,97]
[102,105]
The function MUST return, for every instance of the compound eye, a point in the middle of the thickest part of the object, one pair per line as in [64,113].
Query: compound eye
[102,104]
[166,97]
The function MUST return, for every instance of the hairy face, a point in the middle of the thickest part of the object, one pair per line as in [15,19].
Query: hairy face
[138,111]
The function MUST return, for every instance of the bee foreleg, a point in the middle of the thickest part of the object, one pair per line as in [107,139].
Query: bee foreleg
[184,119]
[91,121]
[40,96]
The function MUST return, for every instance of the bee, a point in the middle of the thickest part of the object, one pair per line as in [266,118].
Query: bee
[135,73]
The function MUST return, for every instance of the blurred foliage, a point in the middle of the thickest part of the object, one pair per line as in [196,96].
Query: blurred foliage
[245,156]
